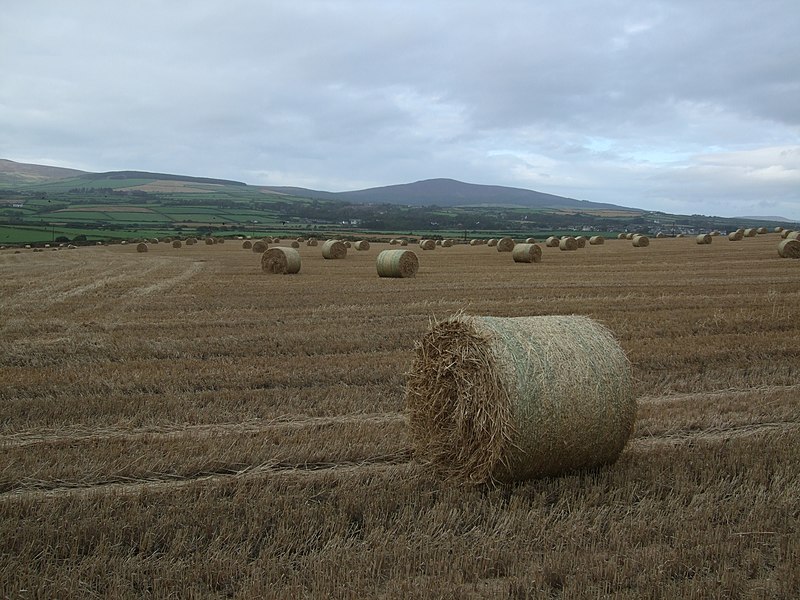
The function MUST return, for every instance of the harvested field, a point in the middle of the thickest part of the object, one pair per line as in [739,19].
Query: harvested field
[158,428]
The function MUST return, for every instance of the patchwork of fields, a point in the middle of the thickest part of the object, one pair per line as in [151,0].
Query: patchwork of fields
[178,423]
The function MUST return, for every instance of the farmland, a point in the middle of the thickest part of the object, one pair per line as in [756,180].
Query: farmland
[178,423]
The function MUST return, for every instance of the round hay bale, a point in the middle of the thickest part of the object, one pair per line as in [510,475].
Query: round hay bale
[141,247]
[247,244]
[209,241]
[793,235]
[123,242]
[295,244]
[191,241]
[281,261]
[761,230]
[704,238]
[750,232]
[260,247]
[448,243]
[154,241]
[505,244]
[785,233]
[621,236]
[427,244]
[474,243]
[361,245]
[527,253]
[581,239]
[404,242]
[660,235]
[568,243]
[333,249]
[439,243]
[641,241]
[347,244]
[491,243]
[735,236]
[778,229]
[300,240]
[629,236]
[552,242]
[789,248]
[597,240]
[176,243]
[530,240]
[393,242]
[397,263]
[72,247]
[680,235]
[508,399]
[312,242]
[220,240]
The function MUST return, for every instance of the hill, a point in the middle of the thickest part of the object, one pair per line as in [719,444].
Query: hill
[450,192]
[15,173]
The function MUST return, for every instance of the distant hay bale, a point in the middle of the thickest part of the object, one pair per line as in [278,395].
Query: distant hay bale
[793,235]
[505,244]
[123,242]
[474,243]
[404,242]
[750,232]
[397,263]
[260,246]
[394,242]
[735,236]
[629,236]
[281,261]
[527,253]
[300,240]
[509,399]
[660,235]
[552,242]
[176,243]
[220,240]
[141,247]
[597,240]
[167,240]
[439,243]
[778,229]
[448,243]
[427,244]
[680,235]
[191,241]
[704,238]
[581,239]
[641,241]
[785,233]
[295,244]
[72,247]
[789,248]
[621,236]
[154,241]
[761,230]
[568,243]
[311,242]
[530,240]
[247,244]
[209,241]
[361,245]
[334,249]
[492,242]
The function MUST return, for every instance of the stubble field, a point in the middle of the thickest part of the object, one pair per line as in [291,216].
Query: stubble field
[179,424]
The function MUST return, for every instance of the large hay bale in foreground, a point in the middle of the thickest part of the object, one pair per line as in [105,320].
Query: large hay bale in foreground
[736,236]
[279,260]
[568,243]
[527,253]
[334,249]
[260,247]
[176,243]
[247,244]
[505,244]
[427,244]
[597,240]
[361,245]
[641,241]
[492,398]
[789,248]
[141,247]
[704,238]
[397,263]
[552,242]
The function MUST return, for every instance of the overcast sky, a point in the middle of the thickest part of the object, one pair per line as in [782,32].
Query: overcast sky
[685,106]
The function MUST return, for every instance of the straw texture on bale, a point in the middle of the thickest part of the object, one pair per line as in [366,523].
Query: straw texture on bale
[735,236]
[568,243]
[397,263]
[581,239]
[527,253]
[260,246]
[492,242]
[141,247]
[597,240]
[176,243]
[247,244]
[641,241]
[508,399]
[279,260]
[333,249]
[505,244]
[427,244]
[704,238]
[552,242]
[789,248]
[361,245]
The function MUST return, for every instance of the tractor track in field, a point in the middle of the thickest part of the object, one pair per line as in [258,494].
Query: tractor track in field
[403,457]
